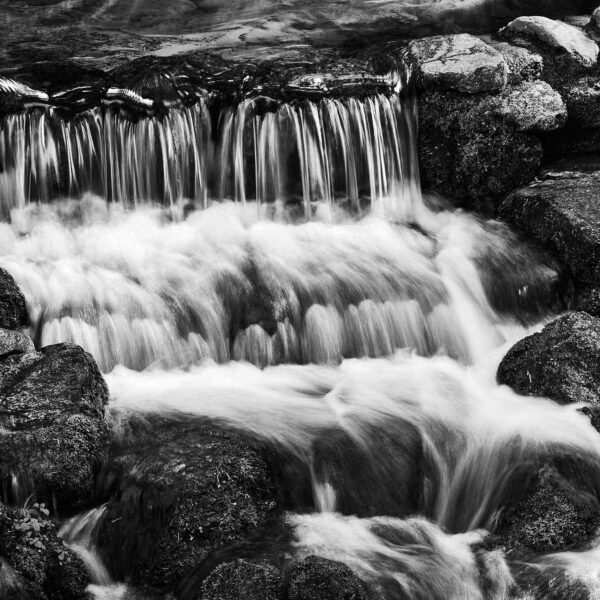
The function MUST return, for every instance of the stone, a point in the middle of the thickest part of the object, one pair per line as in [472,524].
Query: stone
[595,18]
[176,491]
[317,578]
[52,427]
[562,362]
[459,62]
[15,341]
[532,106]
[559,36]
[583,102]
[523,64]
[553,515]
[242,579]
[34,561]
[13,310]
[562,212]
[468,153]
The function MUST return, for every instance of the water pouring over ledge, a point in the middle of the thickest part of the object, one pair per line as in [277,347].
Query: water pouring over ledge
[159,301]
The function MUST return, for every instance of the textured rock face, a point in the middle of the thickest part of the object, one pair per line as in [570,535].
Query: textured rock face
[583,102]
[579,47]
[561,362]
[178,491]
[318,578]
[523,64]
[14,341]
[13,311]
[460,62]
[242,579]
[562,212]
[52,423]
[34,562]
[469,153]
[532,106]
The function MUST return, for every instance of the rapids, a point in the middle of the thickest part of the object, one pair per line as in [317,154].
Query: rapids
[308,311]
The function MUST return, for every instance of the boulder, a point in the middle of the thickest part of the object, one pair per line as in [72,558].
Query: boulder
[469,153]
[562,362]
[316,578]
[532,106]
[52,427]
[13,310]
[35,564]
[565,39]
[14,341]
[583,102]
[242,579]
[554,514]
[459,62]
[176,492]
[523,64]
[562,212]
[595,19]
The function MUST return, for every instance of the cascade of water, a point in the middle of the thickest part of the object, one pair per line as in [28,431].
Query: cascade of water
[308,150]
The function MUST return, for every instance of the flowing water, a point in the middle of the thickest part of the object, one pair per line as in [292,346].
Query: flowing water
[283,274]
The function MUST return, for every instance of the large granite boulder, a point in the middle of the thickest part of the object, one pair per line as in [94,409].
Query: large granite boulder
[35,564]
[562,211]
[469,152]
[461,62]
[13,311]
[316,578]
[523,63]
[14,341]
[562,362]
[52,427]
[176,491]
[567,40]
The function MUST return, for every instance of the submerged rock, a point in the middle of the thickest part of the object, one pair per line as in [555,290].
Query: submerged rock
[242,579]
[565,39]
[562,362]
[459,62]
[34,562]
[561,211]
[52,428]
[317,578]
[178,490]
[13,311]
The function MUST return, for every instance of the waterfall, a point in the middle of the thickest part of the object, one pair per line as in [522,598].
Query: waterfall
[260,150]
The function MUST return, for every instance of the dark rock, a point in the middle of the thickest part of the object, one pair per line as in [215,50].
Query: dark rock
[459,62]
[553,515]
[583,102]
[561,211]
[562,362]
[569,41]
[242,579]
[13,311]
[470,154]
[359,470]
[317,578]
[178,491]
[53,431]
[35,562]
[14,341]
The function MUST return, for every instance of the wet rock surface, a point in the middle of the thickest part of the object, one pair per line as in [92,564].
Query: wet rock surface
[459,62]
[177,492]
[242,579]
[316,578]
[13,311]
[14,341]
[562,362]
[53,428]
[34,562]
[561,211]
